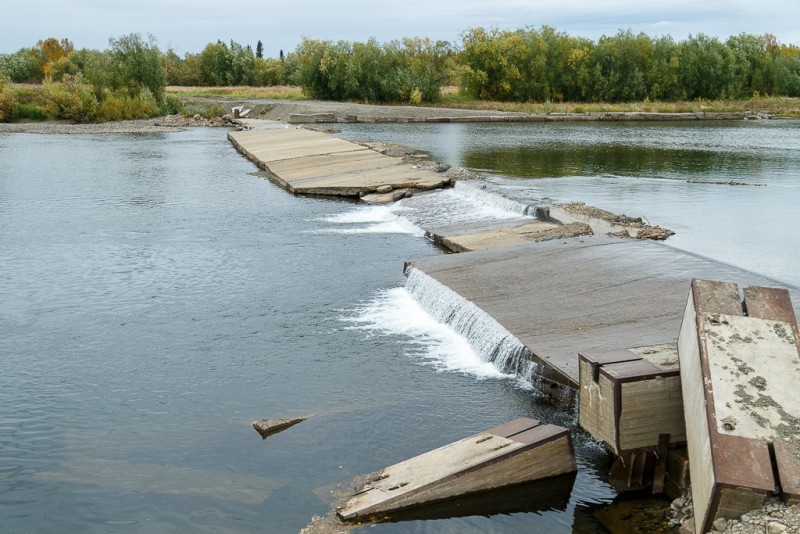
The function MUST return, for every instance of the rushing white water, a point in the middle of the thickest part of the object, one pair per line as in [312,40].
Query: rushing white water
[463,203]
[446,331]
[505,205]
[372,220]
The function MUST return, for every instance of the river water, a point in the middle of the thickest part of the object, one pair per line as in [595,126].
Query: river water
[157,297]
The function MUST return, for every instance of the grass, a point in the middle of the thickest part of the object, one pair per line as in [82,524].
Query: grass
[278,92]
[782,106]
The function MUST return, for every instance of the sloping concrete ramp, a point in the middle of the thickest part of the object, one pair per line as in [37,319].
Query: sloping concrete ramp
[596,294]
[314,163]
[517,452]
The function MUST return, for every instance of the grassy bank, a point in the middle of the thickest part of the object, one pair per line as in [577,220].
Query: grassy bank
[451,97]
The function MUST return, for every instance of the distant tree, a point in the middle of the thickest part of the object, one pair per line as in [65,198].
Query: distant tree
[51,51]
[137,65]
[259,50]
[707,68]
[23,66]
[281,55]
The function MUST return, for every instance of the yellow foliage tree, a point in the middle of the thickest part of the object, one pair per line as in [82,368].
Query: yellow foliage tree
[52,50]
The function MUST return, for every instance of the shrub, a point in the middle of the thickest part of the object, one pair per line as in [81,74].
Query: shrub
[72,99]
[172,105]
[8,102]
[29,112]
[120,106]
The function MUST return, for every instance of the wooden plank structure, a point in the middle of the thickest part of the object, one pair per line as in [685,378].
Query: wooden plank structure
[313,163]
[514,453]
[739,376]
[621,391]
[630,401]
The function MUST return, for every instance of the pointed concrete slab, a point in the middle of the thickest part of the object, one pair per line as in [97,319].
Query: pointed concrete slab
[268,427]
[521,451]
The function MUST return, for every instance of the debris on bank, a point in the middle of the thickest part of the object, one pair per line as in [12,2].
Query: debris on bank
[197,120]
[605,222]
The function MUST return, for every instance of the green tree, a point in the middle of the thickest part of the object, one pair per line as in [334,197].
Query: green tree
[23,66]
[259,50]
[787,70]
[707,69]
[137,65]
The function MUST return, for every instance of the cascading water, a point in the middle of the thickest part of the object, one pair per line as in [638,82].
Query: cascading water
[490,198]
[425,212]
[490,341]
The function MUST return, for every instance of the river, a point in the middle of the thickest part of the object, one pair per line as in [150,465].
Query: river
[158,296]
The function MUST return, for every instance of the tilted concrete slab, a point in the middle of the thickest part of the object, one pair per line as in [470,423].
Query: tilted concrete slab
[474,238]
[516,452]
[330,165]
[270,145]
[583,294]
[307,162]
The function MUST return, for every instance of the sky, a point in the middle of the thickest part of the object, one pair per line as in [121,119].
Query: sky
[188,25]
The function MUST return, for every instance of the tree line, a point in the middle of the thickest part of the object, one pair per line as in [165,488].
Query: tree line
[525,65]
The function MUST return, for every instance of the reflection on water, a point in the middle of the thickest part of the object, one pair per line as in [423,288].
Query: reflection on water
[568,159]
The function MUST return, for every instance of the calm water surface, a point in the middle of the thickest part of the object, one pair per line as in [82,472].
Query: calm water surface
[156,297]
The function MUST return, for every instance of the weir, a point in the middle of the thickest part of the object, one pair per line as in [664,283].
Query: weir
[488,338]
[559,298]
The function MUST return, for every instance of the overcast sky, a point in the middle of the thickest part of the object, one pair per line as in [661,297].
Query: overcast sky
[188,25]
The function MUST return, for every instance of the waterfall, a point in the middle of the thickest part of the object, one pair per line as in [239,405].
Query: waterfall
[490,341]
[492,199]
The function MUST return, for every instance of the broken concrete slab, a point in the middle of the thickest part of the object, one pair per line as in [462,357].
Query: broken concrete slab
[517,452]
[742,426]
[314,163]
[268,427]
[506,236]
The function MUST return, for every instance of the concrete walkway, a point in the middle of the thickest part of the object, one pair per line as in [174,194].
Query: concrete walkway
[592,294]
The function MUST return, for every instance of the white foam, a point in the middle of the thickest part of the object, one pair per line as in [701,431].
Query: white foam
[395,312]
[372,220]
[361,215]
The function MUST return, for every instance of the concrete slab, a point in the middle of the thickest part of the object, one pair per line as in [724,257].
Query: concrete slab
[475,238]
[582,295]
[520,451]
[268,145]
[307,162]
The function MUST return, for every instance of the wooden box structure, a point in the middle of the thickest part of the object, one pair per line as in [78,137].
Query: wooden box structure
[740,375]
[517,452]
[630,399]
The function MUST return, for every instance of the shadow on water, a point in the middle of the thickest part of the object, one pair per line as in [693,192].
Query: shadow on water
[536,497]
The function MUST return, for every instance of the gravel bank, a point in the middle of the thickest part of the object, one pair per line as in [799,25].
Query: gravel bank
[140,126]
